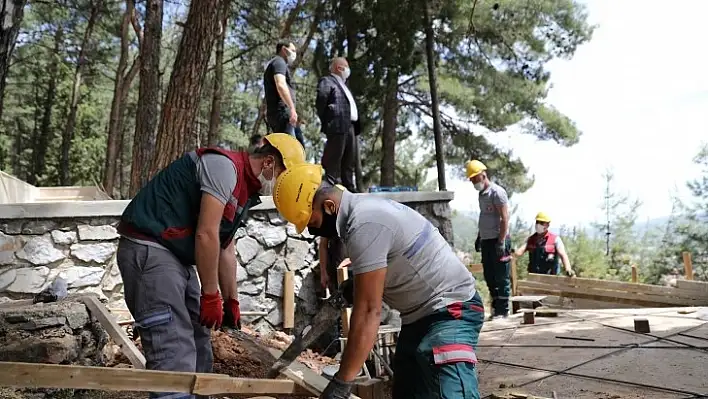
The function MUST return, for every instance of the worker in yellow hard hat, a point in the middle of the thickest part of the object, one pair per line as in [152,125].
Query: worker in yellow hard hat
[188,215]
[493,239]
[398,255]
[545,249]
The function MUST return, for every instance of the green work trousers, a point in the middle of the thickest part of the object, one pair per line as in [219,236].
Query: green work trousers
[435,356]
[496,274]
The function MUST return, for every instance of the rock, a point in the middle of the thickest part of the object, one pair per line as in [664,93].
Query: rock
[241,273]
[275,317]
[276,219]
[97,233]
[390,316]
[38,349]
[11,227]
[292,232]
[29,280]
[298,284]
[97,291]
[240,232]
[252,287]
[38,226]
[262,262]
[274,286]
[8,246]
[80,276]
[308,293]
[268,235]
[98,253]
[7,277]
[40,251]
[63,237]
[295,253]
[250,303]
[262,327]
[442,209]
[247,248]
[112,279]
[260,216]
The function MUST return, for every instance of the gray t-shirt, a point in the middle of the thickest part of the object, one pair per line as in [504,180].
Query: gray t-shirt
[489,215]
[423,275]
[216,175]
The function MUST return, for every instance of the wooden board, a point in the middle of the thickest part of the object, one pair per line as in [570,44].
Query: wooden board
[531,287]
[343,275]
[289,299]
[34,375]
[475,268]
[97,310]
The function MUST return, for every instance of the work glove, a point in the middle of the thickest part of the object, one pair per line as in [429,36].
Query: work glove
[232,314]
[337,389]
[211,311]
[570,273]
[477,245]
[501,249]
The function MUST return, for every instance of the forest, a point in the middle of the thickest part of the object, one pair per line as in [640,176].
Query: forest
[107,92]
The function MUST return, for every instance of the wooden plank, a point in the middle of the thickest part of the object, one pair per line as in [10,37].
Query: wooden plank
[129,349]
[635,276]
[610,285]
[34,375]
[699,287]
[514,277]
[475,268]
[370,389]
[289,299]
[580,288]
[531,287]
[688,265]
[343,275]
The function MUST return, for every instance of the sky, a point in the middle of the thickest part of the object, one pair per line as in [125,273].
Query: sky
[639,93]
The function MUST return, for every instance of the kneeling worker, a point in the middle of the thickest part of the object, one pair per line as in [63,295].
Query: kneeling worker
[544,249]
[188,215]
[397,256]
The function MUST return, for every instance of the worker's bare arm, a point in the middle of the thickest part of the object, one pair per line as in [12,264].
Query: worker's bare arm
[207,248]
[560,249]
[282,86]
[365,320]
[227,272]
[520,251]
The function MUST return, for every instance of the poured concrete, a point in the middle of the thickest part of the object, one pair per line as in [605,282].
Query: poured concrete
[532,359]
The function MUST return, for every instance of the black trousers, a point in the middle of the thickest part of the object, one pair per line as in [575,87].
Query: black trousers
[338,158]
[279,125]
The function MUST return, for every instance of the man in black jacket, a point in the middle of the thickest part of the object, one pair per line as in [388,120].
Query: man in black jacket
[339,118]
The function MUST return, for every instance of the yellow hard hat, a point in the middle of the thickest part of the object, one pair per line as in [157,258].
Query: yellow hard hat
[294,192]
[292,151]
[542,217]
[474,167]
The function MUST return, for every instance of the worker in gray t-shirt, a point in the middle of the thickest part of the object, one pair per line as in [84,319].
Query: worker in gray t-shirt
[398,257]
[493,236]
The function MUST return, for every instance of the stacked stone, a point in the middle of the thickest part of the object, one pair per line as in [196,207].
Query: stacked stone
[266,249]
[34,252]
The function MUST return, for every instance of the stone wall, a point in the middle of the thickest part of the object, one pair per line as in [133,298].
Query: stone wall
[77,241]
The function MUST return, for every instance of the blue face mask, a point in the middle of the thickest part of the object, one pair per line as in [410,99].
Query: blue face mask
[328,228]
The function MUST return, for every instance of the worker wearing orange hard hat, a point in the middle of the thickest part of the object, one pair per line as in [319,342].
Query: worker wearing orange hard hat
[545,249]
[493,239]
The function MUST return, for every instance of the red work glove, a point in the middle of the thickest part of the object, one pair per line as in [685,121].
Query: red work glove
[232,314]
[211,312]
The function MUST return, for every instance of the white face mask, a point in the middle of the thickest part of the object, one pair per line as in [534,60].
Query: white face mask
[540,229]
[345,73]
[266,185]
[291,56]
[479,186]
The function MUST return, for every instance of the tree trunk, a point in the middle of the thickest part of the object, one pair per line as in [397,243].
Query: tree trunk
[44,135]
[184,90]
[10,21]
[215,115]
[68,134]
[390,122]
[148,96]
[120,95]
[434,103]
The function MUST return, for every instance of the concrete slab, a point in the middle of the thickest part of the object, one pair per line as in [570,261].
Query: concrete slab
[682,369]
[585,388]
[494,377]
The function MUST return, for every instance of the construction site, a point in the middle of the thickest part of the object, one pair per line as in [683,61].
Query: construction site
[568,337]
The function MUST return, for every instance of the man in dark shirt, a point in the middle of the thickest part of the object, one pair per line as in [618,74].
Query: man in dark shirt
[281,115]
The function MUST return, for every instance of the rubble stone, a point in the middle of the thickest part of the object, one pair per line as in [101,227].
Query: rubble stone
[263,261]
[40,250]
[98,253]
[247,248]
[296,253]
[79,276]
[252,287]
[29,280]
[38,226]
[8,246]
[274,286]
[97,233]
[63,237]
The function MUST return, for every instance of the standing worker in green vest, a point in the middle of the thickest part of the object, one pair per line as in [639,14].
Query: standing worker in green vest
[493,236]
[188,215]
[546,250]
